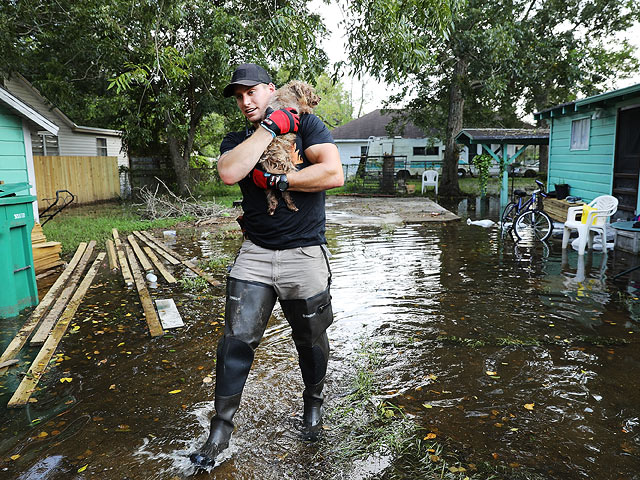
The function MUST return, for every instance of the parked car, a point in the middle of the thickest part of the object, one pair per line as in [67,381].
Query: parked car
[526,170]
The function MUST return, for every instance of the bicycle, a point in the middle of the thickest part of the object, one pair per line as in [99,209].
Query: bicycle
[527,219]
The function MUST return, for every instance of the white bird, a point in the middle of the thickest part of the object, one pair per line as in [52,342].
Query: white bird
[481,223]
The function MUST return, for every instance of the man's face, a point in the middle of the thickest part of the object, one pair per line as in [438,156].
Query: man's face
[253,101]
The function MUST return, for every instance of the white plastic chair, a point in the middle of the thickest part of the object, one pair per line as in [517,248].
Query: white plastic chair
[430,179]
[597,220]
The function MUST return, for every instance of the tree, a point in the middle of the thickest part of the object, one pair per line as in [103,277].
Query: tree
[166,61]
[497,61]
[335,108]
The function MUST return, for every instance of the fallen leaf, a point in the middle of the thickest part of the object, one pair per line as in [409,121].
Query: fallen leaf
[82,469]
[43,435]
[434,458]
[15,457]
[174,391]
[494,455]
[426,405]
[65,379]
[529,406]
[490,373]
[430,436]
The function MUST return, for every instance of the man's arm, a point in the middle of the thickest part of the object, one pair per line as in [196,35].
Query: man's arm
[325,173]
[236,164]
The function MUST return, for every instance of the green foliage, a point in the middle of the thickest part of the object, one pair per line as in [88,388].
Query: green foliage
[504,57]
[193,284]
[154,69]
[483,164]
[335,108]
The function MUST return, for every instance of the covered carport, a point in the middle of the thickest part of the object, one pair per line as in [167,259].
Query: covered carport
[495,141]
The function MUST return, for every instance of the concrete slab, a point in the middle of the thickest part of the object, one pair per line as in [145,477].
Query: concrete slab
[355,210]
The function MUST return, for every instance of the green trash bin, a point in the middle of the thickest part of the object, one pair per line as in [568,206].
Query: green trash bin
[18,289]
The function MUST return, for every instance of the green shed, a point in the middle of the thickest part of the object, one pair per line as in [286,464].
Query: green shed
[594,147]
[17,195]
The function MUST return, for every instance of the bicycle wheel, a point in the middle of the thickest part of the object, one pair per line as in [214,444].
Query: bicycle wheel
[533,224]
[509,214]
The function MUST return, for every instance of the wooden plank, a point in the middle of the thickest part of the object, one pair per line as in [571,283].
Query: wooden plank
[169,315]
[41,362]
[144,261]
[111,253]
[161,268]
[189,264]
[149,240]
[155,328]
[45,327]
[122,258]
[23,335]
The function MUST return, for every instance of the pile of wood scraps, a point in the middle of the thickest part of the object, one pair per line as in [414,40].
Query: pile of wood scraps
[52,317]
[136,259]
[46,255]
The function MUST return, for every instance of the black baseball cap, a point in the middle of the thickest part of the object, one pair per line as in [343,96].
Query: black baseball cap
[247,74]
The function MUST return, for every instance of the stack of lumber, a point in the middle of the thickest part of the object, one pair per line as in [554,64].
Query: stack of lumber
[46,255]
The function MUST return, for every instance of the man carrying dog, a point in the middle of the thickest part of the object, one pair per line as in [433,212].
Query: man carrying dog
[283,256]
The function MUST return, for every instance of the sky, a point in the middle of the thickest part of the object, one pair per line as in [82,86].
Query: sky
[372,93]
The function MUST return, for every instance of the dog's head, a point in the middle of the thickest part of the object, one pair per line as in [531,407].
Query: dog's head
[306,95]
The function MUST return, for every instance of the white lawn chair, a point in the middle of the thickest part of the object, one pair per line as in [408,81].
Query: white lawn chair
[596,222]
[430,179]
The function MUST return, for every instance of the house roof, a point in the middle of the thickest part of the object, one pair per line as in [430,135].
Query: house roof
[602,100]
[513,136]
[374,125]
[74,127]
[22,109]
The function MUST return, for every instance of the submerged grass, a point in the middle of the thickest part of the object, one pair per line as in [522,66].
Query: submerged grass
[96,222]
[366,428]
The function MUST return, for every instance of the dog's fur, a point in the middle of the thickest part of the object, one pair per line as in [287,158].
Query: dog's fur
[280,156]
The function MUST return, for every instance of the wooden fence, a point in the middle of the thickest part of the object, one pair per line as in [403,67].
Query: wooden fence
[90,179]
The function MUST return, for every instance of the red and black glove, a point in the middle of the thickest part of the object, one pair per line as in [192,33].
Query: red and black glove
[282,121]
[267,180]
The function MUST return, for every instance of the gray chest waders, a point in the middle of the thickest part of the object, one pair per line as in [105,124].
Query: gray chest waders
[248,308]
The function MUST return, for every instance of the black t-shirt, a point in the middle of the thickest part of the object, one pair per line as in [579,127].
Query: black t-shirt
[284,229]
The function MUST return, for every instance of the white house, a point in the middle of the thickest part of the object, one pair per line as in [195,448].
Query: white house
[413,149]
[71,139]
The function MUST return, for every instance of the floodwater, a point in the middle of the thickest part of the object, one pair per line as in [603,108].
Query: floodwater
[516,357]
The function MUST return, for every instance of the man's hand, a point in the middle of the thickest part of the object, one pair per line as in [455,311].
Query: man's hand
[266,180]
[282,121]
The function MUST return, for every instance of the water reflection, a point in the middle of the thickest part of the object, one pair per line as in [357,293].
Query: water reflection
[524,354]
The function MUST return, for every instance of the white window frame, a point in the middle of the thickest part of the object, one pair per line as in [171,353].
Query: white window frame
[578,128]
[100,147]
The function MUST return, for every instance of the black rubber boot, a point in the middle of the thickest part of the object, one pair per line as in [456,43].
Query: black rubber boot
[248,308]
[312,416]
[309,320]
[220,433]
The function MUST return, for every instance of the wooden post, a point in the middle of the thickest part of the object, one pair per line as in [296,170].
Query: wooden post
[113,258]
[144,261]
[163,271]
[22,336]
[185,262]
[124,266]
[41,362]
[155,328]
[51,318]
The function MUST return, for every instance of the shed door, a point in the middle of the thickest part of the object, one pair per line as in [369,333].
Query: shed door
[627,161]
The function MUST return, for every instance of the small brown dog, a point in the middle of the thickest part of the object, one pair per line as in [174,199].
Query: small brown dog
[281,156]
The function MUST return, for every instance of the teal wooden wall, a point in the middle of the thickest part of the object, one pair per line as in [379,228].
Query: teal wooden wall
[589,173]
[13,159]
